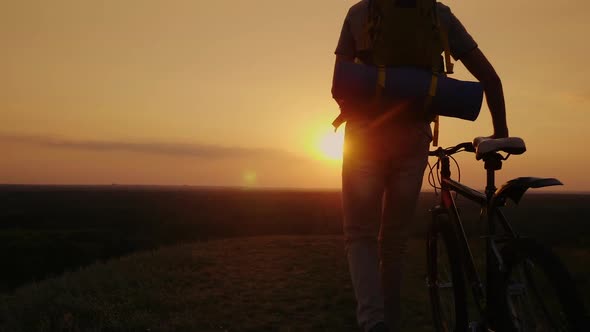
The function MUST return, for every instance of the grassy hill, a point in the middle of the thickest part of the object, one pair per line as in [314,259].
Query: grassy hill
[46,230]
[273,283]
[283,283]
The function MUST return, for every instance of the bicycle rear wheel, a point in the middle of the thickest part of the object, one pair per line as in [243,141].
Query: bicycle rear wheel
[446,282]
[540,293]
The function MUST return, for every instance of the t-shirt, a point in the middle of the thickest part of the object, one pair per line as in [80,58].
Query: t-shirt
[352,37]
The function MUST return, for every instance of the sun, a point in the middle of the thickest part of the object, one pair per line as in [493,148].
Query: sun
[331,145]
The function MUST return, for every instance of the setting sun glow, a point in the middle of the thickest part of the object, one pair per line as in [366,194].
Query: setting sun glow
[331,145]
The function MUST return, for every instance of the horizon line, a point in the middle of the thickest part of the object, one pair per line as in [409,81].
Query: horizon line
[233,187]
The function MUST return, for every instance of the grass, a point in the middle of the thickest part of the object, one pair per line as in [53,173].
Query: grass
[278,283]
[258,282]
[47,230]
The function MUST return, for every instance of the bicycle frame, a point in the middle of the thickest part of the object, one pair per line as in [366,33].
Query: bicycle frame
[490,202]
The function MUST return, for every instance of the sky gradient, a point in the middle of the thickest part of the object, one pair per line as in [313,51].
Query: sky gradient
[235,93]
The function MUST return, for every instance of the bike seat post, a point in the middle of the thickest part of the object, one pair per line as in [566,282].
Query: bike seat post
[492,163]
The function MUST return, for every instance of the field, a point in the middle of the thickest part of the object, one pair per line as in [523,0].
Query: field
[201,259]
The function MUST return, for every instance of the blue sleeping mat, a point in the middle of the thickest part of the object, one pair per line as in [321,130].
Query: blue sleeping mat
[454,98]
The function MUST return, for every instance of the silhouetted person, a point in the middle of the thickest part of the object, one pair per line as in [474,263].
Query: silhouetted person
[383,168]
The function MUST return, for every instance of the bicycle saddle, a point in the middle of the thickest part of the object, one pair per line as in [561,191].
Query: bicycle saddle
[485,145]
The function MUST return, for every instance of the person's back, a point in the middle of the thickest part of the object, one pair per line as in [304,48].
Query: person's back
[383,167]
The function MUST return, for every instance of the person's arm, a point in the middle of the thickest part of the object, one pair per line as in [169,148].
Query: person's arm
[350,108]
[479,66]
[341,58]
[345,52]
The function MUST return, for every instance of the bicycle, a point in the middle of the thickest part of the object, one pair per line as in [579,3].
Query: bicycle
[527,288]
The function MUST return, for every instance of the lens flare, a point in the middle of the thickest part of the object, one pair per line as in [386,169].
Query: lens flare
[250,178]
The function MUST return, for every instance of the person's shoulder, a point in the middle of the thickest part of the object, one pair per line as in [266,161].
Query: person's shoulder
[359,8]
[442,6]
[443,9]
[444,13]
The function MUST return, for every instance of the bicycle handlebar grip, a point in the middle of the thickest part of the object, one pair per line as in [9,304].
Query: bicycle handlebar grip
[468,146]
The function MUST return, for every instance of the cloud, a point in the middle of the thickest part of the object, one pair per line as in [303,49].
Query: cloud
[203,151]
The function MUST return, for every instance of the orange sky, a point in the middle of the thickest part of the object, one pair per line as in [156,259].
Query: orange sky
[238,93]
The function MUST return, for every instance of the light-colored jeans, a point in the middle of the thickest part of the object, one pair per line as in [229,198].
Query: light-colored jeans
[381,180]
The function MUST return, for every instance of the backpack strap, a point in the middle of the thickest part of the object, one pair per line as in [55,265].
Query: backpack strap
[444,37]
[428,103]
[449,66]
[340,119]
[435,133]
[381,77]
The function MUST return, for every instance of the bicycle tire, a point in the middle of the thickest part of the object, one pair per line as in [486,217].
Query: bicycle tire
[443,239]
[534,271]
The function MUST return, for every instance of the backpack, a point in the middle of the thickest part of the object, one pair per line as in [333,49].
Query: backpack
[405,33]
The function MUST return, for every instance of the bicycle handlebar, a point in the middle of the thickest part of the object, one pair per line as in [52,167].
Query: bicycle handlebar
[466,146]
